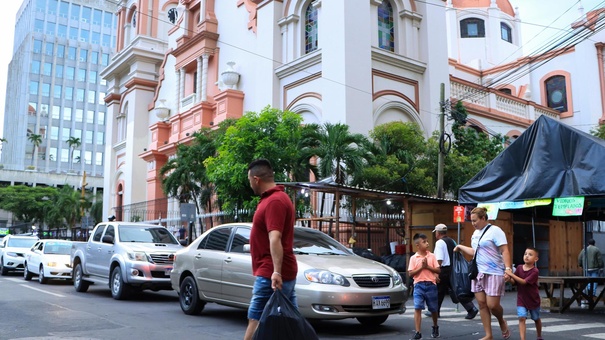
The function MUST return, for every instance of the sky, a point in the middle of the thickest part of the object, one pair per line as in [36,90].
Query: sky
[535,16]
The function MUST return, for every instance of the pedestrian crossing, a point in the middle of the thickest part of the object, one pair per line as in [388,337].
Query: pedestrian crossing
[551,323]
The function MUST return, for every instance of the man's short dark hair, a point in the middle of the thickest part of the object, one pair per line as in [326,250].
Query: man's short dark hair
[261,168]
[591,242]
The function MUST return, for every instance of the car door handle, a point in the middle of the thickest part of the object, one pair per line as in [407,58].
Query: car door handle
[198,256]
[228,259]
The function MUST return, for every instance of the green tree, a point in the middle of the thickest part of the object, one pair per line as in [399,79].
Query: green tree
[27,204]
[272,134]
[598,131]
[341,153]
[36,140]
[73,143]
[68,206]
[398,149]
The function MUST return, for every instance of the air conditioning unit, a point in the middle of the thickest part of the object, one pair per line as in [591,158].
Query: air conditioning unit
[84,19]
[82,40]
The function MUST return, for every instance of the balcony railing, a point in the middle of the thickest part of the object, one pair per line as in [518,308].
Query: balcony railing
[493,100]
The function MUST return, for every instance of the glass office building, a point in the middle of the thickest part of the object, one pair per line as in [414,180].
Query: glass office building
[55,114]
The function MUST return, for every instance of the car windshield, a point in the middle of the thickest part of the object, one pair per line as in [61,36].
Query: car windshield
[21,242]
[312,242]
[147,235]
[59,248]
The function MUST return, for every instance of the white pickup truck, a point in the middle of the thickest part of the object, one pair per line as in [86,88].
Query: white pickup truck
[127,256]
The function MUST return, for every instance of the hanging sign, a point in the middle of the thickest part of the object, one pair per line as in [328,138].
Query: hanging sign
[568,206]
[492,209]
[524,204]
[459,214]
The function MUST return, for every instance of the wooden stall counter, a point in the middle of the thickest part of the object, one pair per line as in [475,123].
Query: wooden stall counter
[577,284]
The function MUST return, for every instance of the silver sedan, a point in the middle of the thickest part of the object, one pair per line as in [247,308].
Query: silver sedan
[332,282]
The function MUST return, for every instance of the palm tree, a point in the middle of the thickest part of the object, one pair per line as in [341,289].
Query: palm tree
[342,154]
[73,143]
[36,140]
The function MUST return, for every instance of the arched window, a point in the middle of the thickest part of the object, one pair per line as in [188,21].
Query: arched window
[556,93]
[506,90]
[506,32]
[472,28]
[311,29]
[386,35]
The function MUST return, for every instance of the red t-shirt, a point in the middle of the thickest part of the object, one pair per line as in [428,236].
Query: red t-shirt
[528,295]
[275,211]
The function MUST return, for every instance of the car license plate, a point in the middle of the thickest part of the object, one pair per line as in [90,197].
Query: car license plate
[168,270]
[381,302]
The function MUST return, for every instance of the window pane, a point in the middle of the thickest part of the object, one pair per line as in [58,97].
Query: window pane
[92,77]
[311,35]
[94,57]
[56,112]
[92,96]
[88,157]
[37,46]
[47,69]
[84,35]
[67,113]
[71,53]
[66,134]
[59,71]
[70,72]
[35,67]
[65,155]
[57,92]
[61,51]
[52,155]
[64,9]
[100,138]
[54,132]
[33,87]
[556,92]
[81,74]
[48,49]
[79,115]
[46,90]
[75,12]
[69,93]
[101,118]
[80,95]
[90,117]
[39,25]
[83,55]
[73,33]
[50,28]
[86,12]
[99,158]
[104,59]
[386,34]
[41,5]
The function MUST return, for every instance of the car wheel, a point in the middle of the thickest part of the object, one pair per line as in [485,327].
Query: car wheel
[3,270]
[41,278]
[80,285]
[372,321]
[27,275]
[189,297]
[119,289]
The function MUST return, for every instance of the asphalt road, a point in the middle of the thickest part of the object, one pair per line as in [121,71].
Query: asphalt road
[29,310]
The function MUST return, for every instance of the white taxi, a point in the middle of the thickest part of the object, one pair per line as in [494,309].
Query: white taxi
[49,259]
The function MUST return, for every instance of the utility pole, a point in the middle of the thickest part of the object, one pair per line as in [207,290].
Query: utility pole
[441,157]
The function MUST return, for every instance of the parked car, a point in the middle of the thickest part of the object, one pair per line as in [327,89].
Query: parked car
[332,282]
[49,259]
[12,252]
[125,256]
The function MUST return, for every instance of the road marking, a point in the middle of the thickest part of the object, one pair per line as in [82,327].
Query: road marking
[529,322]
[42,291]
[563,328]
[595,336]
[15,280]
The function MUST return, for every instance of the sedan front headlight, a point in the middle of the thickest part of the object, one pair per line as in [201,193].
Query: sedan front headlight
[325,277]
[396,279]
[138,256]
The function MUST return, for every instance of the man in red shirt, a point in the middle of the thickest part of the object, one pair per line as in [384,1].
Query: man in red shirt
[271,242]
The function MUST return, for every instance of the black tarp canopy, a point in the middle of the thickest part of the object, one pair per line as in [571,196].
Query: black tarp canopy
[549,160]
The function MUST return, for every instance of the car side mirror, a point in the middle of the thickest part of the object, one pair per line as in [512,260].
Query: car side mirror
[108,239]
[246,248]
[183,242]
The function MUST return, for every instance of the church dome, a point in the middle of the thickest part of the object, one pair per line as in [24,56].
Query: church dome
[503,5]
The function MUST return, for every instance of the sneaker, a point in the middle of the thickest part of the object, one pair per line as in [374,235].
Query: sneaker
[427,313]
[471,314]
[435,332]
[417,336]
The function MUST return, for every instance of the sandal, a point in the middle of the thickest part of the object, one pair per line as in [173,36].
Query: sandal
[506,335]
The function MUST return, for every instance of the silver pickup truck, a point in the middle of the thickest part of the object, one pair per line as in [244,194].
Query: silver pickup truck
[126,256]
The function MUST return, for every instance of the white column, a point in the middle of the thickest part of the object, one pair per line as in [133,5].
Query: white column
[177,104]
[200,95]
[204,77]
[181,84]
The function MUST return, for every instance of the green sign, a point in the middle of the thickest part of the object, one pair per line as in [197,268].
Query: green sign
[568,206]
[3,231]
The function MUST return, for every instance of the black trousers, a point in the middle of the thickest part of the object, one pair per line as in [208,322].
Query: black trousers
[444,288]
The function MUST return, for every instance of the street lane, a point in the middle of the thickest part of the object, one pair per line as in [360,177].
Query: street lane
[29,310]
